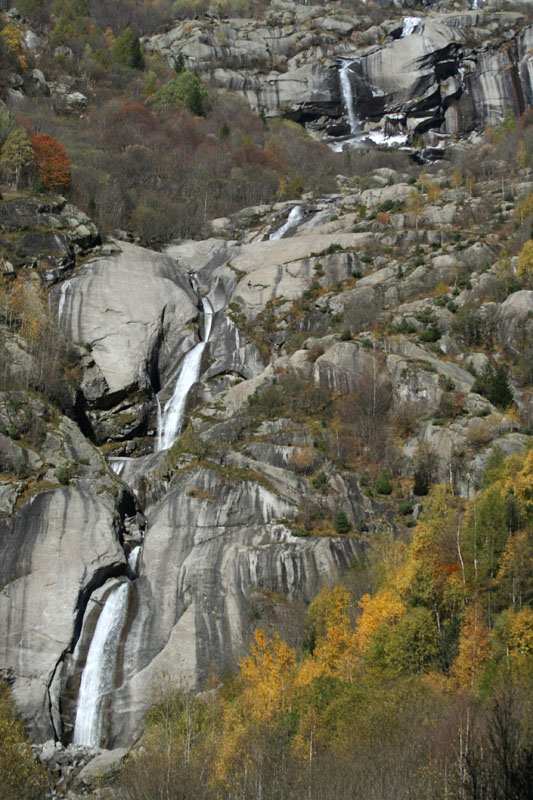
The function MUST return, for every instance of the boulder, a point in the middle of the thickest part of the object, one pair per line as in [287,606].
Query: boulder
[125,307]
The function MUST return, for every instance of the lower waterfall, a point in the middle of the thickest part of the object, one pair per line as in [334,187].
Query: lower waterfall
[171,419]
[98,677]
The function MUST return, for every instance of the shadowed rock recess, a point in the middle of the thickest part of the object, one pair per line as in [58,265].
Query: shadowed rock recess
[386,326]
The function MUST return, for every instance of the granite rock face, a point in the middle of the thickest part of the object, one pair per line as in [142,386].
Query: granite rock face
[132,311]
[54,551]
[447,74]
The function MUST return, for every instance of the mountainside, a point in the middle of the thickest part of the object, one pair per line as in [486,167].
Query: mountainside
[251,356]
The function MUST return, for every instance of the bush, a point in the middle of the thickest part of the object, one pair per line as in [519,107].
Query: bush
[341,523]
[346,335]
[62,476]
[188,89]
[320,483]
[383,484]
[494,384]
[405,508]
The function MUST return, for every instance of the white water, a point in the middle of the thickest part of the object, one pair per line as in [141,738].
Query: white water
[64,289]
[348,97]
[98,677]
[294,218]
[133,558]
[410,24]
[171,419]
[118,465]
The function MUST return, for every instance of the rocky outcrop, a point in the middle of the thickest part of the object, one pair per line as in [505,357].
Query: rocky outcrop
[448,74]
[131,310]
[54,551]
[213,545]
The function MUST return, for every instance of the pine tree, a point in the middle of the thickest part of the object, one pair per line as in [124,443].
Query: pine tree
[341,523]
[127,51]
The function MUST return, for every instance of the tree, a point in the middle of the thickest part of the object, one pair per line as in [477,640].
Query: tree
[17,158]
[187,88]
[383,484]
[341,523]
[494,384]
[525,260]
[127,50]
[53,165]
[474,649]
[13,38]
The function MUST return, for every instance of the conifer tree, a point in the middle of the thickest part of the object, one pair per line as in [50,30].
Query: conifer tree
[127,51]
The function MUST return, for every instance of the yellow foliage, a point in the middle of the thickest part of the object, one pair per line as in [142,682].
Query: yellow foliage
[335,651]
[434,193]
[385,608]
[13,38]
[524,208]
[520,641]
[474,649]
[266,674]
[521,484]
[525,260]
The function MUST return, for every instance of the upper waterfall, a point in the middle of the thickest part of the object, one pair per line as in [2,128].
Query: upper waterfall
[348,96]
[171,419]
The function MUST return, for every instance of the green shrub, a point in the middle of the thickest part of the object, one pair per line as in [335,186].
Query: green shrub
[430,335]
[341,523]
[494,384]
[383,484]
[62,476]
[188,89]
[405,508]
[346,335]
[320,483]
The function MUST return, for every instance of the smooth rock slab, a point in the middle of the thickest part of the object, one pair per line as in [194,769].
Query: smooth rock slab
[123,306]
[50,553]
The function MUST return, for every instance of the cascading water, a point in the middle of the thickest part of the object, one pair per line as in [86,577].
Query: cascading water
[98,676]
[348,96]
[170,421]
[410,24]
[293,220]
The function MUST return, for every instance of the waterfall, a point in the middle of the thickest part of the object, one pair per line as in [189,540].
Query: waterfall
[348,97]
[293,220]
[133,558]
[98,677]
[171,419]
[118,464]
[64,289]
[410,24]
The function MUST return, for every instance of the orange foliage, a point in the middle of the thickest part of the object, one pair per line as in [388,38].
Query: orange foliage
[52,162]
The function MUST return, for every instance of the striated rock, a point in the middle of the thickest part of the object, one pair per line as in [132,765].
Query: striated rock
[212,542]
[53,551]
[126,307]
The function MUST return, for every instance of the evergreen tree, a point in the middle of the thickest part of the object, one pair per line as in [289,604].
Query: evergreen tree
[383,484]
[127,51]
[494,384]
[341,523]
